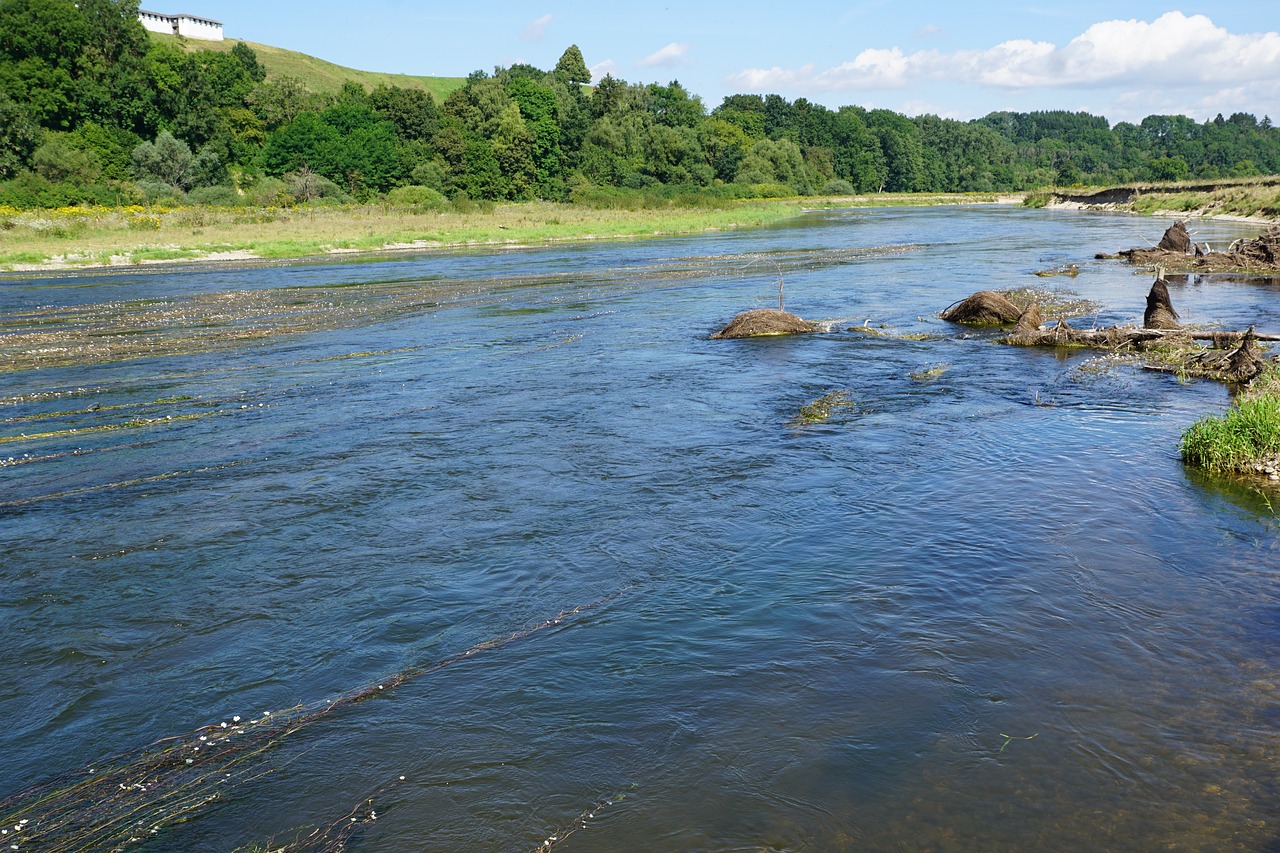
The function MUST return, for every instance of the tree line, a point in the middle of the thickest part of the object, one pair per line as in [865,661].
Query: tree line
[92,110]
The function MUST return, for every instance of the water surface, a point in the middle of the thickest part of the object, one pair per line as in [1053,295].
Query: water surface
[984,611]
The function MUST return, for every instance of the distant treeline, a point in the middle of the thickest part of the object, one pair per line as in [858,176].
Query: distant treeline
[93,111]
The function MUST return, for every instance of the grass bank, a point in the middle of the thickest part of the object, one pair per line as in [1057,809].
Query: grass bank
[83,237]
[317,75]
[73,238]
[1246,439]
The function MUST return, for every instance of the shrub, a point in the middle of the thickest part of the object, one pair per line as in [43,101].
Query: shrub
[167,160]
[416,196]
[215,196]
[269,192]
[159,192]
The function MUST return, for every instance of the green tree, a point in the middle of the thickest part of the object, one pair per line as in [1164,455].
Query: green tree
[673,106]
[111,146]
[18,136]
[607,97]
[248,58]
[412,112]
[725,144]
[281,100]
[346,143]
[1169,169]
[513,147]
[167,160]
[856,151]
[572,67]
[483,178]
[776,161]
[59,159]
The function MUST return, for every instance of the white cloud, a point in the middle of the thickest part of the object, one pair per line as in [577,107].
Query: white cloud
[600,69]
[537,29]
[1173,50]
[921,107]
[929,31]
[672,54]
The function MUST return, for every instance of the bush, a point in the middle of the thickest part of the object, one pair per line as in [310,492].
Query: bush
[159,192]
[29,191]
[1036,200]
[215,196]
[167,160]
[269,192]
[837,187]
[773,190]
[416,196]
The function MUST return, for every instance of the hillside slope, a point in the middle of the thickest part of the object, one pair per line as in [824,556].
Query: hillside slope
[317,74]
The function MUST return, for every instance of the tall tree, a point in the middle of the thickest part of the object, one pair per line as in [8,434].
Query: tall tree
[572,67]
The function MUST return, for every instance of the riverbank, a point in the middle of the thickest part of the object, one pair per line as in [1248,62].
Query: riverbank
[1237,199]
[80,238]
[76,238]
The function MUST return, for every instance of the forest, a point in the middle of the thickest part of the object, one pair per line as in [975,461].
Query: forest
[94,111]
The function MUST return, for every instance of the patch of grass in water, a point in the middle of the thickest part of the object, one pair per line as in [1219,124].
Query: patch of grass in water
[1054,304]
[931,373]
[822,409]
[1245,440]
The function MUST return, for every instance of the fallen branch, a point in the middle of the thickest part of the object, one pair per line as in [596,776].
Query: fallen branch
[1120,336]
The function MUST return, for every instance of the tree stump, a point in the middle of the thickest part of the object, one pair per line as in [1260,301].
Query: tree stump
[1160,313]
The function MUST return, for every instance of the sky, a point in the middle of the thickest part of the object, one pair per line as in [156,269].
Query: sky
[1121,60]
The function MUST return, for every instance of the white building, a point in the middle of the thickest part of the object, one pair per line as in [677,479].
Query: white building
[181,25]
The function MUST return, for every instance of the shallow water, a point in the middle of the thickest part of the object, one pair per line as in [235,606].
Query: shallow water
[985,611]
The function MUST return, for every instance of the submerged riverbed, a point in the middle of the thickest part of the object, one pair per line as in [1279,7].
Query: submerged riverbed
[982,607]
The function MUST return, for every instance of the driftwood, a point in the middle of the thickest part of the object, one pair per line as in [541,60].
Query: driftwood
[1030,319]
[1232,356]
[764,321]
[1119,337]
[1259,255]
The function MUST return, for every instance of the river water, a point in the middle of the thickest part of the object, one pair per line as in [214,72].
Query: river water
[981,609]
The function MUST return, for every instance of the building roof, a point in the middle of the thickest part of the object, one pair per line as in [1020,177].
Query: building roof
[200,18]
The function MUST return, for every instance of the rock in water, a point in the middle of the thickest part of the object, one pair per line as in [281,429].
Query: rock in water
[984,308]
[764,321]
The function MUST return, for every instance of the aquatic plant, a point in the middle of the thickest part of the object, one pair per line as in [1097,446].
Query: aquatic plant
[823,408]
[1244,440]
[930,373]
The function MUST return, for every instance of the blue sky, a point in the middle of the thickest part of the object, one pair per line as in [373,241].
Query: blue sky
[1123,60]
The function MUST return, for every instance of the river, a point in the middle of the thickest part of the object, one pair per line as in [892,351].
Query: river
[982,608]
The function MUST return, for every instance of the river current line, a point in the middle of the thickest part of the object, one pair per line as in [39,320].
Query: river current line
[128,798]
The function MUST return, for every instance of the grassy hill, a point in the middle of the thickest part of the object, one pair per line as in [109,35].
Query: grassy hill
[316,74]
